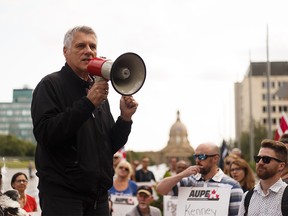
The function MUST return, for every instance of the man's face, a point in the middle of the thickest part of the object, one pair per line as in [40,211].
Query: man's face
[144,200]
[207,164]
[145,162]
[265,171]
[83,48]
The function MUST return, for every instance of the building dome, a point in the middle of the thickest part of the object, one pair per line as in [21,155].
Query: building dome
[178,128]
[178,144]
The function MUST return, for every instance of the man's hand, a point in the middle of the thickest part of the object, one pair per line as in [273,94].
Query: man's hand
[98,92]
[128,107]
[191,170]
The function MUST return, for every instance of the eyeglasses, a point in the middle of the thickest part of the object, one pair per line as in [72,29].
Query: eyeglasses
[202,156]
[124,168]
[235,169]
[24,181]
[265,159]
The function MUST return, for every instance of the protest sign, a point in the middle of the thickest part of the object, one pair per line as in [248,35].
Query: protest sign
[202,201]
[170,205]
[123,204]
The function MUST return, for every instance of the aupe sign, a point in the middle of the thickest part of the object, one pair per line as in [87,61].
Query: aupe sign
[202,201]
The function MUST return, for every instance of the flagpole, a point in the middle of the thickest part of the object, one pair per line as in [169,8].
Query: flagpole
[252,148]
[268,90]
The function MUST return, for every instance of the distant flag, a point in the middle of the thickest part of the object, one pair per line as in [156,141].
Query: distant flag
[122,152]
[223,153]
[282,127]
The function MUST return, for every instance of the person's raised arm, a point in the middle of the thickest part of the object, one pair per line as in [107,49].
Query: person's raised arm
[166,184]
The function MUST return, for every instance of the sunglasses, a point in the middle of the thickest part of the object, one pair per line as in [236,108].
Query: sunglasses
[202,156]
[124,168]
[265,159]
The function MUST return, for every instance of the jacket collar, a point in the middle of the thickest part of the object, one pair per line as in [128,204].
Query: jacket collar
[71,76]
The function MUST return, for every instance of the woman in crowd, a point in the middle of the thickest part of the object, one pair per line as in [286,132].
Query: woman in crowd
[242,172]
[122,184]
[19,182]
[227,162]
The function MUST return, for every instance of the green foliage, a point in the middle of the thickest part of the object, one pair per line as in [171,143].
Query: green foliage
[260,133]
[12,146]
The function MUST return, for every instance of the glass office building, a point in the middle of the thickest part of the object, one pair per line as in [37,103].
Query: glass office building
[15,117]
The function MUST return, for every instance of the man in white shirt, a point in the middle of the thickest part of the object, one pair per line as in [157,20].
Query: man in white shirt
[267,194]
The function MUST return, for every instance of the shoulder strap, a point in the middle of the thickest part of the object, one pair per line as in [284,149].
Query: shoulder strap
[284,202]
[247,200]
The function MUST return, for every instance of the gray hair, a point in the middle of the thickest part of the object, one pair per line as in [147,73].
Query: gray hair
[71,32]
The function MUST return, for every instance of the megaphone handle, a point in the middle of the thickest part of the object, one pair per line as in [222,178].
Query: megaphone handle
[99,78]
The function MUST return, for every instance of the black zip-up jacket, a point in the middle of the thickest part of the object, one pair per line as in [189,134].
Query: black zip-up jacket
[75,140]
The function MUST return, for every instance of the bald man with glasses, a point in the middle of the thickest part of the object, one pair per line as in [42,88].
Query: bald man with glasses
[207,156]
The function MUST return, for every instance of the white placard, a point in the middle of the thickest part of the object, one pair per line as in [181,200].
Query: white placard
[170,205]
[123,204]
[203,201]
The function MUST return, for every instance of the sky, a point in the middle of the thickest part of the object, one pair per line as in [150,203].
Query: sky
[194,51]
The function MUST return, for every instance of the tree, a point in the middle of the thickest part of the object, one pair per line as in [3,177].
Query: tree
[260,133]
[12,146]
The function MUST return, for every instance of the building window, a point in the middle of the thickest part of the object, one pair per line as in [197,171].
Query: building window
[274,121]
[9,113]
[264,121]
[264,109]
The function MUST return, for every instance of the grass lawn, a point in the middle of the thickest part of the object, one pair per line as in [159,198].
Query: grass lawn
[16,163]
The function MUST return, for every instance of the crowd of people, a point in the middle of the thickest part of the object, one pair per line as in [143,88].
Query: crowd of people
[268,180]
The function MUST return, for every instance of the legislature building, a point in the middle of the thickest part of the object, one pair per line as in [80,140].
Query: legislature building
[177,146]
